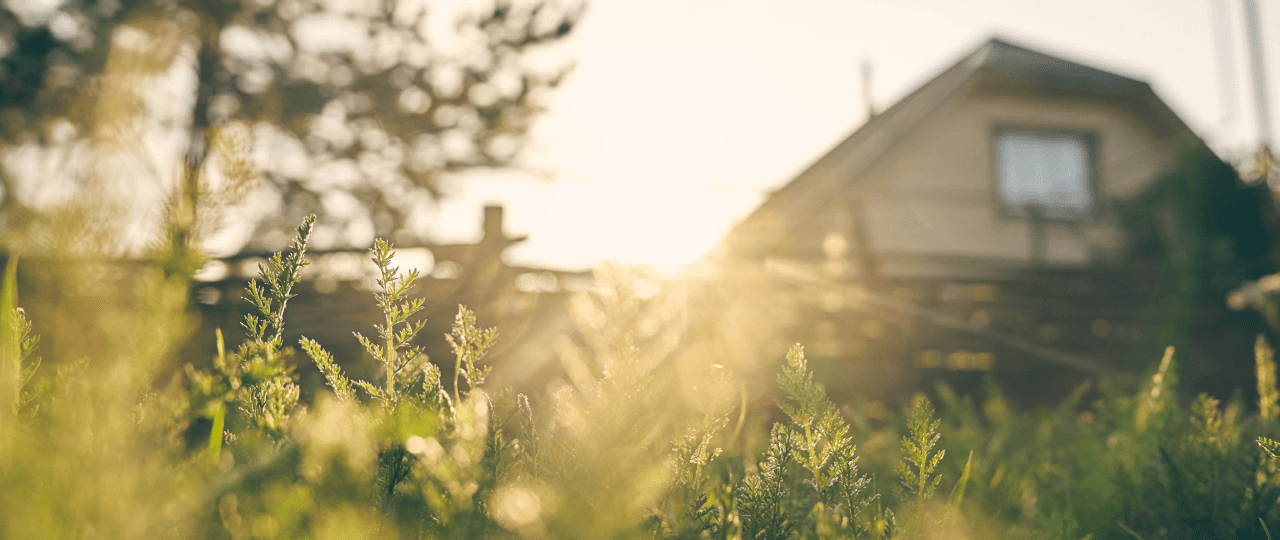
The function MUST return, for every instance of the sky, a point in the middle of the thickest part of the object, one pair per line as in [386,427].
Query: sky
[681,115]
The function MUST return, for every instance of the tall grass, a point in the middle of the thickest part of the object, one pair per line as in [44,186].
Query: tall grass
[126,440]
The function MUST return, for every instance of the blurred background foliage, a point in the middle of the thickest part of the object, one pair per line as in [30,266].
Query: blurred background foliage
[348,109]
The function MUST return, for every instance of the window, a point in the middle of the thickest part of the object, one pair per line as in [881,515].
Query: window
[1050,173]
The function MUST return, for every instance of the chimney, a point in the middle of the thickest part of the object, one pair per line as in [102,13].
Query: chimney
[492,227]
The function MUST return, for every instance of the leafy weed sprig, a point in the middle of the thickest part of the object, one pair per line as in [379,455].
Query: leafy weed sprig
[920,462]
[826,450]
[817,439]
[396,331]
[405,364]
[270,298]
[255,376]
[470,344]
[763,499]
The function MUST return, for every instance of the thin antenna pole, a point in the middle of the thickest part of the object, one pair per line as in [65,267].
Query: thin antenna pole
[1261,98]
[866,89]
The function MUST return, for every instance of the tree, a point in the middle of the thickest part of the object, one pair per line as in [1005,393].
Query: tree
[355,107]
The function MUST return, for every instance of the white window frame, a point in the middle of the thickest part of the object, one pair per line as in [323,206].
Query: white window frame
[1069,156]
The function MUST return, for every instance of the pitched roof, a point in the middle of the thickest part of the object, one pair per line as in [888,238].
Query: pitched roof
[996,63]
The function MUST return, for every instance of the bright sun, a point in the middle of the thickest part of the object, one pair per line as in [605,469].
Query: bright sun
[660,228]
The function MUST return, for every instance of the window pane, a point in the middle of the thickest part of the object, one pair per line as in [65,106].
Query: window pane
[1050,172]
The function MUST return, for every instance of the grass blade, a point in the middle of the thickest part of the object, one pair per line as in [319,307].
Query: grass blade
[957,492]
[10,346]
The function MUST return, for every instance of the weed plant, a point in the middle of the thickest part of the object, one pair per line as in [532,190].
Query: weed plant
[115,443]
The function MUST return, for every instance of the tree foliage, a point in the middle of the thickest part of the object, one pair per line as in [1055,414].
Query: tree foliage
[355,108]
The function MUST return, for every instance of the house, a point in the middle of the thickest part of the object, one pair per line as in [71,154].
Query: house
[1021,214]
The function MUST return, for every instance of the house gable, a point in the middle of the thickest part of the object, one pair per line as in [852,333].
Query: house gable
[920,179]
[937,193]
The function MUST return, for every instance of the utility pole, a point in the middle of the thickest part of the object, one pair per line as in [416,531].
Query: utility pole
[1222,41]
[1257,64]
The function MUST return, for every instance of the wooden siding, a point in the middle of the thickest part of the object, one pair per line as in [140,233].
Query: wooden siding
[933,193]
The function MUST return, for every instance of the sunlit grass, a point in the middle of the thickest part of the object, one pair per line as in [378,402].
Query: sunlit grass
[114,439]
